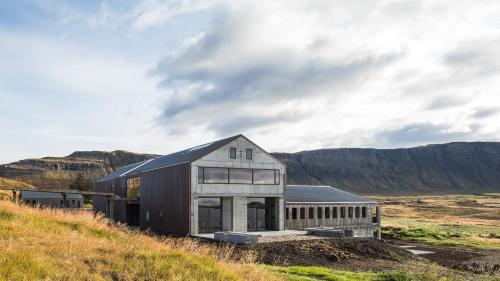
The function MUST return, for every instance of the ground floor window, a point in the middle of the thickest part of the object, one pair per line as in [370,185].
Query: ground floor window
[209,215]
[311,212]
[350,212]
[327,212]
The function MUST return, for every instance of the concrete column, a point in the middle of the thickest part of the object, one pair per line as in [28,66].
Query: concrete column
[194,216]
[281,215]
[14,196]
[240,214]
[379,215]
[227,213]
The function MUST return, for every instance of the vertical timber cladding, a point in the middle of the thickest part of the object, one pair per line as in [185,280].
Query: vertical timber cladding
[100,203]
[165,199]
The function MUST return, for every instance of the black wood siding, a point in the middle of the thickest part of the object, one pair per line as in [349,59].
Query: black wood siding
[166,194]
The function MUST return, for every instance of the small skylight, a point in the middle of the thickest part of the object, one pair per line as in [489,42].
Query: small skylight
[200,146]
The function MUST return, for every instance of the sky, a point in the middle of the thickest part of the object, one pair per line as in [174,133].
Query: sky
[156,76]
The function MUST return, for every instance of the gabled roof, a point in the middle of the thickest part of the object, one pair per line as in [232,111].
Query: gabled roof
[185,156]
[319,194]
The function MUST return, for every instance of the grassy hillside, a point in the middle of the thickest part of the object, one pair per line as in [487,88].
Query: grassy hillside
[7,195]
[43,244]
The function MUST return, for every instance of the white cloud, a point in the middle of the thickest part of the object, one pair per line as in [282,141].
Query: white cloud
[293,75]
[352,69]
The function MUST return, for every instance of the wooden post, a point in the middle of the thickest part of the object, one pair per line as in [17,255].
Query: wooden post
[14,196]
[111,207]
[65,200]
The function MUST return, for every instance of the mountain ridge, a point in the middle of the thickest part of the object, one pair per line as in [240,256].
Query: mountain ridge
[456,167]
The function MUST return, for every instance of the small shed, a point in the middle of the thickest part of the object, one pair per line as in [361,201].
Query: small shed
[51,199]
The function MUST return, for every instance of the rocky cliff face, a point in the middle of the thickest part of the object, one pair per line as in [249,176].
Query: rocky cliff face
[453,167]
[60,172]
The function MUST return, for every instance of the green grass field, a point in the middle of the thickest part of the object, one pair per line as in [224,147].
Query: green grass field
[465,220]
[410,272]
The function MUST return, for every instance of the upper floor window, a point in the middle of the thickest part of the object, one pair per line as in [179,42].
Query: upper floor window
[232,153]
[215,175]
[263,176]
[238,175]
[133,185]
[249,154]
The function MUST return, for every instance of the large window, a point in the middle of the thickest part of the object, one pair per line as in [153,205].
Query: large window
[302,213]
[342,212]
[238,175]
[263,176]
[320,213]
[311,212]
[133,185]
[215,175]
[335,215]
[327,212]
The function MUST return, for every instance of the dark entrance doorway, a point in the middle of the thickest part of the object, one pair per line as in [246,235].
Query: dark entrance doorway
[209,215]
[261,214]
[133,214]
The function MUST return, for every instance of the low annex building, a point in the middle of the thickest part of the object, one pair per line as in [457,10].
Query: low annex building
[227,185]
[310,206]
[51,199]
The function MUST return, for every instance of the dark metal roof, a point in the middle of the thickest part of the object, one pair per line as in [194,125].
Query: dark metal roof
[121,171]
[184,156]
[25,194]
[318,194]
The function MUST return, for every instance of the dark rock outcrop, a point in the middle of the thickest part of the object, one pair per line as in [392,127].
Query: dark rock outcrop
[60,172]
[441,168]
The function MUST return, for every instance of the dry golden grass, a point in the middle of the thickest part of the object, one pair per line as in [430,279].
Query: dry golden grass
[51,244]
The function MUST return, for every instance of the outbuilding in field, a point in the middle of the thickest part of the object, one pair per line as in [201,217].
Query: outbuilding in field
[51,199]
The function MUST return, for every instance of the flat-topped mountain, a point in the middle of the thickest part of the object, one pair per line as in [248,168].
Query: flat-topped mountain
[441,168]
[60,172]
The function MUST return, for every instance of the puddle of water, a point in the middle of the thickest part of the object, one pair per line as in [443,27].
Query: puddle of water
[419,252]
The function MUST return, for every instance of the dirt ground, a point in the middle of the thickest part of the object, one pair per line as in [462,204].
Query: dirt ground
[461,258]
[367,254]
[348,254]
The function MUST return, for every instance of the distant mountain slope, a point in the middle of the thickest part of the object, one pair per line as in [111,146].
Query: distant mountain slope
[440,168]
[451,168]
[60,172]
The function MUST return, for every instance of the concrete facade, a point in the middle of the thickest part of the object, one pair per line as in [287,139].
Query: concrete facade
[236,195]
[361,226]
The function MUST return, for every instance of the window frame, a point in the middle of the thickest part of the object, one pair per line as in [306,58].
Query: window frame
[319,212]
[249,152]
[231,150]
[201,176]
[302,213]
[131,184]
[311,213]
[327,213]
[294,213]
